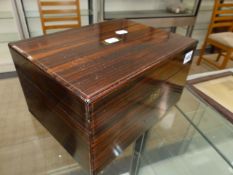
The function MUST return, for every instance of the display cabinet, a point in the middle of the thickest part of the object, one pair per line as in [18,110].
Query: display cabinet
[132,9]
[157,13]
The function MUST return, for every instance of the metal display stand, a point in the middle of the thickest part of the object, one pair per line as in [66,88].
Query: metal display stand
[138,150]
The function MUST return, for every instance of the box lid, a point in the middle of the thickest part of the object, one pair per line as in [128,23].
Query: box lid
[83,61]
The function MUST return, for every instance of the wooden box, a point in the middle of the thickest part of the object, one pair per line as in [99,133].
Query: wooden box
[97,98]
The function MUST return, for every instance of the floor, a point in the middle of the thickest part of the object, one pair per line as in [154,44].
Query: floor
[205,67]
[24,143]
[27,148]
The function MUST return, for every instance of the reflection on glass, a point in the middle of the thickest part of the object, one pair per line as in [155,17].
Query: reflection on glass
[215,127]
[172,145]
[180,150]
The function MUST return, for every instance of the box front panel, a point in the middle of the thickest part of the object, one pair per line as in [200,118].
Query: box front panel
[121,117]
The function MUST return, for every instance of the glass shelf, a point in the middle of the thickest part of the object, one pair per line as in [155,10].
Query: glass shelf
[173,146]
[216,129]
[140,14]
[149,8]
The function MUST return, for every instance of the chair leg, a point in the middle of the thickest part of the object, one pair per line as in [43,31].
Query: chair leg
[201,53]
[226,59]
[219,55]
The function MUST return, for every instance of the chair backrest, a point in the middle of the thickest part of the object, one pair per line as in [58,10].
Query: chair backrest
[59,14]
[222,16]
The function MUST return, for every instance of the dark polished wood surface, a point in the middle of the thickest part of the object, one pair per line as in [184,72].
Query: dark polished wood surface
[79,58]
[94,98]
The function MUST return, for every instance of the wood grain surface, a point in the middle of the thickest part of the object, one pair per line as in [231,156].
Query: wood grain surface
[96,99]
[106,66]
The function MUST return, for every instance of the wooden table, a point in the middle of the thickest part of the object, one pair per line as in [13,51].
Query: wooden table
[97,98]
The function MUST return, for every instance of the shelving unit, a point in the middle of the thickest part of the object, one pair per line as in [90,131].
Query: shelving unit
[151,12]
[147,9]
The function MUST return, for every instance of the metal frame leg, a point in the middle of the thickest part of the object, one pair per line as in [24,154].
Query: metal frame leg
[189,31]
[138,150]
[173,29]
[90,11]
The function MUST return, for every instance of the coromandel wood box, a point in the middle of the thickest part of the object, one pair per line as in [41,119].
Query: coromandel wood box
[98,88]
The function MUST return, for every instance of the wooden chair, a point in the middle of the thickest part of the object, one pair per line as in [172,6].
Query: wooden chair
[222,18]
[53,13]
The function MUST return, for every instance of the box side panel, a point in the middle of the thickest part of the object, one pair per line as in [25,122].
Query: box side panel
[61,113]
[121,117]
